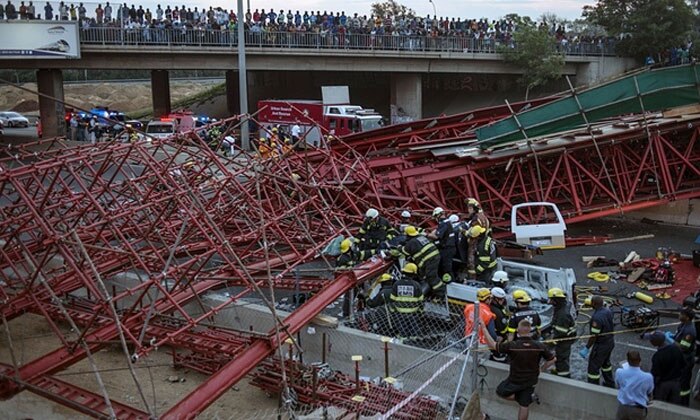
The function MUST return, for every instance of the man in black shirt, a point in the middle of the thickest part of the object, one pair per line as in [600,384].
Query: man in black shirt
[525,357]
[667,366]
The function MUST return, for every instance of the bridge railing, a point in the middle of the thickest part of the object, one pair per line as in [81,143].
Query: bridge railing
[314,40]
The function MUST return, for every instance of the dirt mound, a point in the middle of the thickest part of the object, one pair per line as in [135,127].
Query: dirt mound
[28,105]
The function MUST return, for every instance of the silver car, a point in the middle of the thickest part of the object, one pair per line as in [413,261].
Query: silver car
[13,119]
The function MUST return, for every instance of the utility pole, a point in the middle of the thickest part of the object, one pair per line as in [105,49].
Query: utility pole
[242,79]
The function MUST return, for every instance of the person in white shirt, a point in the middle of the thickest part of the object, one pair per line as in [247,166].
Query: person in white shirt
[635,388]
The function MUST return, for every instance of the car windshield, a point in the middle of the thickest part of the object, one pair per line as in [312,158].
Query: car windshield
[12,114]
[371,123]
[160,129]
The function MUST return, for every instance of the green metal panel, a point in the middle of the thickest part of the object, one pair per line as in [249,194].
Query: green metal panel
[659,89]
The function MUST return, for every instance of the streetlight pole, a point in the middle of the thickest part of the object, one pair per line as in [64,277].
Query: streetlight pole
[434,9]
[242,79]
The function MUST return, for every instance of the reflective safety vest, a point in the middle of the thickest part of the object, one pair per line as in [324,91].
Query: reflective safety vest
[563,323]
[485,315]
[420,249]
[486,254]
[406,296]
[375,231]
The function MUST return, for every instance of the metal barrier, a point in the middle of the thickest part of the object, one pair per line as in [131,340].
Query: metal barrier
[318,40]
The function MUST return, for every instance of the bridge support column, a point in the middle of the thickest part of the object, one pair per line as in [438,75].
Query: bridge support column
[51,108]
[160,92]
[233,105]
[406,97]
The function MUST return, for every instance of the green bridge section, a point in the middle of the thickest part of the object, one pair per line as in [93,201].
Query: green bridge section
[650,90]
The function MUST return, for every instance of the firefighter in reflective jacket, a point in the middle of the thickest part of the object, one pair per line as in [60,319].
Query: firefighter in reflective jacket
[380,291]
[374,231]
[406,301]
[685,337]
[476,217]
[444,237]
[425,255]
[563,330]
[602,342]
[349,257]
[523,311]
[485,253]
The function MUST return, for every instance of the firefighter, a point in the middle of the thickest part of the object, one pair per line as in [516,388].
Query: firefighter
[499,308]
[264,148]
[213,136]
[563,330]
[380,291]
[406,301]
[602,343]
[476,217]
[374,230]
[500,279]
[349,257]
[523,311]
[426,256]
[483,295]
[485,253]
[444,238]
[685,339]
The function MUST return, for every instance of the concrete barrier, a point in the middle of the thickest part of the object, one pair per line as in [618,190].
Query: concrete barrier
[560,398]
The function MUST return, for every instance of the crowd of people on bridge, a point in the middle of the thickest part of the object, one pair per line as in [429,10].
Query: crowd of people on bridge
[336,23]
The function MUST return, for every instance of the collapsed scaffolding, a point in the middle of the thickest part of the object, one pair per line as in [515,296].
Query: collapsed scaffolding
[120,240]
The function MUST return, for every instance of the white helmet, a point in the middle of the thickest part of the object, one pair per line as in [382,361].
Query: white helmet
[497,292]
[438,211]
[372,213]
[499,277]
[406,214]
[453,218]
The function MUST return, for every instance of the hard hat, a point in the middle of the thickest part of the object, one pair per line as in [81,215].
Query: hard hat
[385,277]
[406,214]
[372,213]
[475,231]
[295,176]
[411,230]
[274,129]
[472,202]
[482,294]
[410,268]
[499,277]
[438,211]
[556,292]
[263,139]
[497,292]
[453,218]
[521,296]
[345,246]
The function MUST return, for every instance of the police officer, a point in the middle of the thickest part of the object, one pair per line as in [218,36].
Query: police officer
[380,291]
[425,255]
[563,330]
[499,308]
[685,339]
[600,345]
[406,301]
[485,253]
[444,237]
[523,311]
[374,230]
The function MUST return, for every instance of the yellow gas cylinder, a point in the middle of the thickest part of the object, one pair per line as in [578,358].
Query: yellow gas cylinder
[644,298]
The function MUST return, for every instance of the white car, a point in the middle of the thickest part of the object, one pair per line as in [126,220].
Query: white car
[13,119]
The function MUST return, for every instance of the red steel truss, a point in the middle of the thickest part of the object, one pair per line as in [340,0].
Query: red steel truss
[114,239]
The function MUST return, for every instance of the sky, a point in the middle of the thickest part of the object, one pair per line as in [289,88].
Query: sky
[569,9]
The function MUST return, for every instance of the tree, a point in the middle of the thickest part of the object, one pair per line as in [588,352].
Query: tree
[535,53]
[393,9]
[643,26]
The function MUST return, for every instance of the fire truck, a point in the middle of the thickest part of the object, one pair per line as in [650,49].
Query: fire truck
[333,115]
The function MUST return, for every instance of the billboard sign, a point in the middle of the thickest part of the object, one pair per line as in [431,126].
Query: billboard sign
[39,40]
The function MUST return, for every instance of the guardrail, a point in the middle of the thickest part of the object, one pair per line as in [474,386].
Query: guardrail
[314,40]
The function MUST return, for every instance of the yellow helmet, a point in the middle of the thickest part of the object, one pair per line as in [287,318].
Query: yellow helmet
[385,277]
[411,230]
[410,268]
[475,231]
[345,246]
[473,202]
[556,292]
[482,294]
[521,296]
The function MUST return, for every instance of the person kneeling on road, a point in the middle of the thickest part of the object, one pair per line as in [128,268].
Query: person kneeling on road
[526,355]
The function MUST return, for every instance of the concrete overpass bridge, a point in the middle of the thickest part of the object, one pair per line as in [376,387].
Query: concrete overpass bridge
[384,72]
